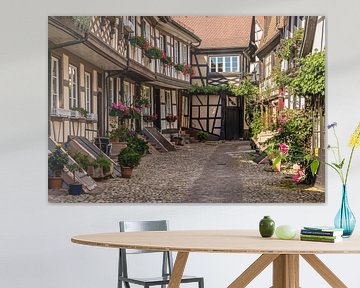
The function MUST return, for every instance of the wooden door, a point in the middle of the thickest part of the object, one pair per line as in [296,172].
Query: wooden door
[157,107]
[233,130]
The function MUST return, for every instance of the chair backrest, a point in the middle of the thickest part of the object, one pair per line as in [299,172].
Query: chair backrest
[135,226]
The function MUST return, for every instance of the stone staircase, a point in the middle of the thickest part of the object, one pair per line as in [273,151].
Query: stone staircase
[260,140]
[188,138]
[157,140]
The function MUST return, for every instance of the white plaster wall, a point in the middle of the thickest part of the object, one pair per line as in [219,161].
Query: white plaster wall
[35,248]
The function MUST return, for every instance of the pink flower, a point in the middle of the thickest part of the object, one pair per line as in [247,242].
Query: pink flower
[284,148]
[299,175]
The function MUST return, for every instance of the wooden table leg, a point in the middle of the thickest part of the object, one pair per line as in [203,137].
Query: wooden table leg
[324,271]
[178,270]
[286,271]
[253,270]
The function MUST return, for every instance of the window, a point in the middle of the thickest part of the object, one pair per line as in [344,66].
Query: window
[161,42]
[184,55]
[111,90]
[127,93]
[267,68]
[54,82]
[176,52]
[147,95]
[168,105]
[73,89]
[88,92]
[224,64]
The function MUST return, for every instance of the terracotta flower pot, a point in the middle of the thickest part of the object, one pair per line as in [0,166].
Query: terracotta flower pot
[277,167]
[91,171]
[54,182]
[126,172]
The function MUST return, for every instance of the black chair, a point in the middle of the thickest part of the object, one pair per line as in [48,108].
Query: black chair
[167,265]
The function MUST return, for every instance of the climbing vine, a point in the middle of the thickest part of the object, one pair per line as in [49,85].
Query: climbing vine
[289,48]
[310,78]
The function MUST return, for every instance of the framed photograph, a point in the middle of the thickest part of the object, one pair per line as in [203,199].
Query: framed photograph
[186,109]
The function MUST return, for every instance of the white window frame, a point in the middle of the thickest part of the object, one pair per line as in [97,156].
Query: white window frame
[267,66]
[176,52]
[184,54]
[223,64]
[168,104]
[73,87]
[54,90]
[87,83]
[111,89]
[127,93]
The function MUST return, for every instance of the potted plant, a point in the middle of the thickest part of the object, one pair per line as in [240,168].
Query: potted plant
[276,165]
[171,118]
[148,118]
[98,170]
[128,159]
[104,164]
[139,145]
[57,160]
[202,135]
[75,188]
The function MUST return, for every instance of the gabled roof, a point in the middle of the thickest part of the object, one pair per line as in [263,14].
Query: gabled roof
[272,26]
[260,20]
[218,32]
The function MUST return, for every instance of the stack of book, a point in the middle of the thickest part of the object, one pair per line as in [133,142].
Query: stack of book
[321,234]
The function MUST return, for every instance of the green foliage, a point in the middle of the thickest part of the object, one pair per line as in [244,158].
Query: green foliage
[138,144]
[295,131]
[280,77]
[256,125]
[128,157]
[179,67]
[208,89]
[310,79]
[202,135]
[153,53]
[245,89]
[82,159]
[101,161]
[74,168]
[81,110]
[289,49]
[57,160]
[83,22]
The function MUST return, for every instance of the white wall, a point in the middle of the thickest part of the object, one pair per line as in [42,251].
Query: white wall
[35,248]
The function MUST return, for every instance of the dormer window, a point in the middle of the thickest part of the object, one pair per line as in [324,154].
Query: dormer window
[227,64]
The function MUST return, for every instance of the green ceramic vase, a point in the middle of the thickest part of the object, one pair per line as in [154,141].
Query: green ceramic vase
[267,227]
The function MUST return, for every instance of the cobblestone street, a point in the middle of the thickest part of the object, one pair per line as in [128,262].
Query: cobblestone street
[212,172]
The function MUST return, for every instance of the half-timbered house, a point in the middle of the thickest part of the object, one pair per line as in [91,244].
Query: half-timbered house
[223,56]
[92,65]
[314,41]
[275,98]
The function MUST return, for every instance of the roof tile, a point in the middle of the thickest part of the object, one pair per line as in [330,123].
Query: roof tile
[219,31]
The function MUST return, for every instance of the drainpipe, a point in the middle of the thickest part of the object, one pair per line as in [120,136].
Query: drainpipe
[58,46]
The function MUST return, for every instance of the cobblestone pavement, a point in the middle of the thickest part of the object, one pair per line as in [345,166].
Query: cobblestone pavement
[211,172]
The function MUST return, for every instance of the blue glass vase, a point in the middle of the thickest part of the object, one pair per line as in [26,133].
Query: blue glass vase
[345,219]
